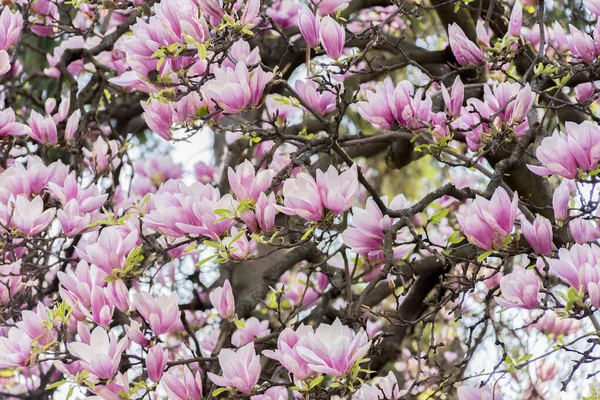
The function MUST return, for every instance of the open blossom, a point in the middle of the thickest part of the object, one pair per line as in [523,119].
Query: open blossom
[102,355]
[477,393]
[486,222]
[579,267]
[11,25]
[287,352]
[381,388]
[366,235]
[161,313]
[10,280]
[538,234]
[190,389]
[27,216]
[593,6]
[43,129]
[77,285]
[582,45]
[72,220]
[333,349]
[246,183]
[465,51]
[252,330]
[338,191]
[302,198]
[583,230]
[8,126]
[111,250]
[400,104]
[520,288]
[321,102]
[223,301]
[37,325]
[564,154]
[15,349]
[508,102]
[332,37]
[236,89]
[553,325]
[241,368]
[240,248]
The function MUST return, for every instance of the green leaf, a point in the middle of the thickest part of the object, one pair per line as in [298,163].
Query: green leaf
[308,232]
[56,384]
[219,391]
[316,382]
[205,260]
[240,324]
[485,255]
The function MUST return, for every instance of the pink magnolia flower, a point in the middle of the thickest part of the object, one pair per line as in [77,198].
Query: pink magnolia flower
[265,211]
[538,234]
[103,155]
[72,220]
[204,173]
[8,126]
[102,355]
[333,349]
[111,250]
[252,330]
[15,349]
[276,393]
[4,62]
[465,51]
[520,288]
[10,281]
[240,248]
[223,301]
[483,393]
[582,45]
[560,201]
[11,25]
[583,230]
[77,285]
[156,361]
[190,389]
[29,217]
[302,198]
[338,191]
[486,222]
[330,6]
[579,267]
[102,308]
[564,154]
[159,117]
[134,333]
[241,369]
[43,129]
[309,25]
[553,325]
[332,36]
[117,294]
[593,6]
[235,89]
[516,20]
[246,183]
[454,99]
[161,313]
[381,388]
[366,236]
[389,104]
[287,352]
[483,34]
[37,325]
[321,102]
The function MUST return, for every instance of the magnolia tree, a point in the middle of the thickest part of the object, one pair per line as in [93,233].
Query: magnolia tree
[387,199]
